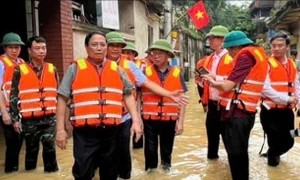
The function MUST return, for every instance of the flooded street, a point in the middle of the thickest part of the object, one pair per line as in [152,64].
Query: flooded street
[189,156]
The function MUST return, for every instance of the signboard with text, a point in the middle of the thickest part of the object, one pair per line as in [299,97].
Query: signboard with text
[108,14]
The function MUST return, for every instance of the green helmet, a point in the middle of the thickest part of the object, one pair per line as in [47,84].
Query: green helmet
[218,31]
[12,39]
[130,46]
[164,45]
[115,37]
[236,38]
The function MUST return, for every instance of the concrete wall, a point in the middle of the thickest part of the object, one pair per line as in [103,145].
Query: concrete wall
[78,44]
[126,16]
[141,21]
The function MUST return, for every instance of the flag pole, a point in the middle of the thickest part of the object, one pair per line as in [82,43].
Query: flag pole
[175,23]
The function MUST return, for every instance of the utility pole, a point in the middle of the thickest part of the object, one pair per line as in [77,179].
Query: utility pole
[168,19]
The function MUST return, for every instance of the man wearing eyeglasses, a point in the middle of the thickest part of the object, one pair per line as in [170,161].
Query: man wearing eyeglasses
[96,87]
[219,64]
[115,45]
[163,118]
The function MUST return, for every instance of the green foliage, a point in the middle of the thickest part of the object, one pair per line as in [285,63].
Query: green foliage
[192,33]
[221,13]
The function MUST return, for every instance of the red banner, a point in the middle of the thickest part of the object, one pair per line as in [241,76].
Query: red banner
[199,15]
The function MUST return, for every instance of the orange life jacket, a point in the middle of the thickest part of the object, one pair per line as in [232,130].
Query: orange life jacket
[199,64]
[247,95]
[37,97]
[9,66]
[156,107]
[142,63]
[96,99]
[223,69]
[124,63]
[282,80]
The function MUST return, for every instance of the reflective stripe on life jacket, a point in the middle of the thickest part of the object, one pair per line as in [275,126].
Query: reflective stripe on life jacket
[282,79]
[223,69]
[9,67]
[37,97]
[247,95]
[124,63]
[97,100]
[156,107]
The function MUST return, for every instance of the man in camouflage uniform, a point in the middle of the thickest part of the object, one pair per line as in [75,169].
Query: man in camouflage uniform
[37,128]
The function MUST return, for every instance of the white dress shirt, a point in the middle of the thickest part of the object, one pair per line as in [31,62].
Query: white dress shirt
[279,97]
[213,92]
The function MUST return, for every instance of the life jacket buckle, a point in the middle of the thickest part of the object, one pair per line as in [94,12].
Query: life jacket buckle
[41,90]
[160,103]
[101,101]
[235,101]
[101,116]
[101,89]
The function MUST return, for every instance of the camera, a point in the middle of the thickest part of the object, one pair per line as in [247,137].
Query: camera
[295,133]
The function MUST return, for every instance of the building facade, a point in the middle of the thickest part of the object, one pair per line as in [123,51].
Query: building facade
[64,24]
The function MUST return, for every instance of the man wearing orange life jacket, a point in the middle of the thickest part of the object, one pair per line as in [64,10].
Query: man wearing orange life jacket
[163,118]
[199,84]
[33,105]
[218,63]
[96,110]
[147,61]
[132,53]
[8,61]
[115,44]
[239,96]
[277,118]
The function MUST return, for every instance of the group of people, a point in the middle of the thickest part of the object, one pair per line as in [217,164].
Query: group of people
[145,99]
[240,78]
[123,97]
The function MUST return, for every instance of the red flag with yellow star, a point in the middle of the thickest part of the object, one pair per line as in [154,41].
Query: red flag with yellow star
[199,15]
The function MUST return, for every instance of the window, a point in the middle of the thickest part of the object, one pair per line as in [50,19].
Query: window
[150,36]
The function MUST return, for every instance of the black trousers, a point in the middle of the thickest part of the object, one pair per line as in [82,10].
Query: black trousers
[165,132]
[95,147]
[13,142]
[139,144]
[34,134]
[213,129]
[200,91]
[124,165]
[277,124]
[236,141]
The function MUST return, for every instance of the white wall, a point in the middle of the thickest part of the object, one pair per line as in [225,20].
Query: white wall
[78,44]
[141,22]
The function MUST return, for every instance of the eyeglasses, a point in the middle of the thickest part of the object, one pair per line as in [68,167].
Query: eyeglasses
[96,45]
[159,54]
